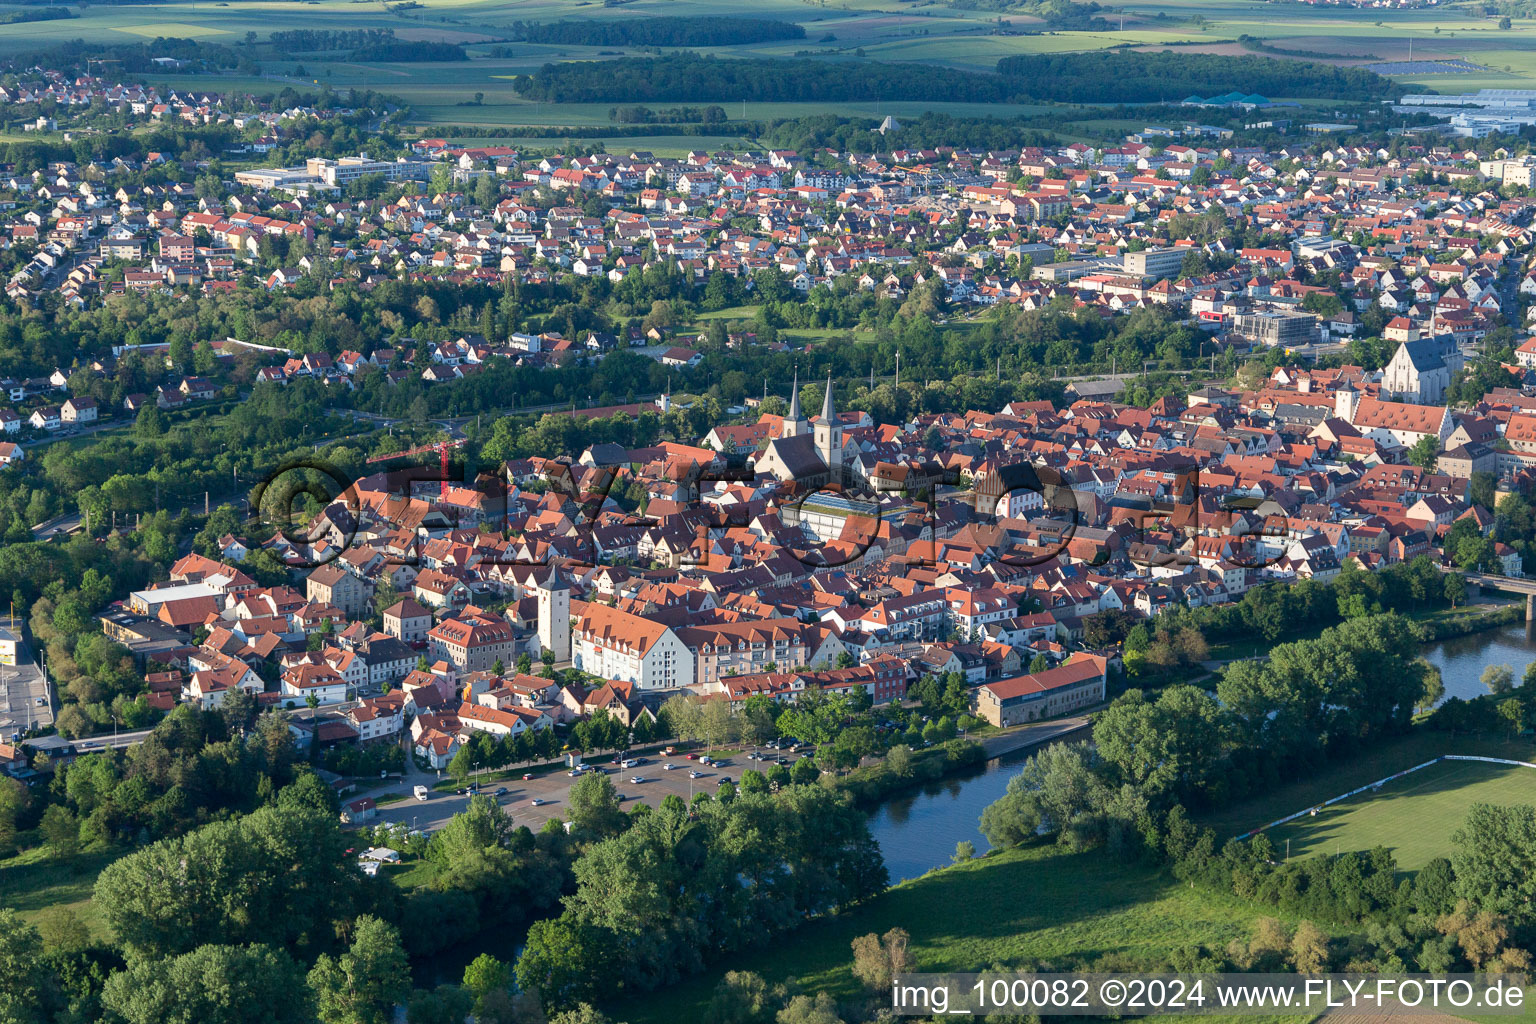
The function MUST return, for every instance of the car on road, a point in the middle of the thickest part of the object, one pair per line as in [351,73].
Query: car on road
[669,766]
[537,801]
[421,792]
[637,779]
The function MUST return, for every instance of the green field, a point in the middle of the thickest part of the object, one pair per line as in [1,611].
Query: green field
[1413,816]
[889,30]
[1382,758]
[41,886]
[1014,907]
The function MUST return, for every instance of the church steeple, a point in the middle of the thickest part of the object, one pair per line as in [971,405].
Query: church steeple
[795,423]
[827,436]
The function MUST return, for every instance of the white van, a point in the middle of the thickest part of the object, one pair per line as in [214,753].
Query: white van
[421,792]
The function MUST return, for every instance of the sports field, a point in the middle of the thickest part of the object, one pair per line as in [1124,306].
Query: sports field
[1413,816]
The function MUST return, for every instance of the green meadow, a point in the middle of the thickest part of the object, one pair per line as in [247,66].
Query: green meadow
[887,30]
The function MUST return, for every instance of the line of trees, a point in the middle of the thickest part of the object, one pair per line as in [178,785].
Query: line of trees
[661,31]
[693,77]
[1128,76]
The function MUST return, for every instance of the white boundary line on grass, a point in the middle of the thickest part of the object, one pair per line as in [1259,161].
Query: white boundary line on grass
[1378,784]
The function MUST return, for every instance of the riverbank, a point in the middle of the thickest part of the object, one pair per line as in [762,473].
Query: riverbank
[1434,624]
[1035,734]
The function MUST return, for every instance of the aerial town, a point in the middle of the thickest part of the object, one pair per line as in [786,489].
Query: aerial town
[525,496]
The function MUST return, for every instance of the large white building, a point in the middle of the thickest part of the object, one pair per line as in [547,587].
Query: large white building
[1421,370]
[618,645]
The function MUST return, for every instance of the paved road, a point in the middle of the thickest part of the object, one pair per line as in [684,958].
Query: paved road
[25,700]
[96,744]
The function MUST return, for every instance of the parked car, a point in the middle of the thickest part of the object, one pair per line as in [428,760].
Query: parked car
[637,779]
[537,801]
[502,791]
[669,766]
[695,774]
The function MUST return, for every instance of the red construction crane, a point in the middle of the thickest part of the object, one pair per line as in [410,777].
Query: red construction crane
[442,448]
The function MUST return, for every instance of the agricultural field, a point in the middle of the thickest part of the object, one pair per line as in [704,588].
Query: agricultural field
[887,30]
[1414,816]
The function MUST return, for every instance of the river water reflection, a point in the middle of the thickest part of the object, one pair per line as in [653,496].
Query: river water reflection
[919,830]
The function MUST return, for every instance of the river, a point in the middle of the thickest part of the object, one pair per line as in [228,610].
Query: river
[918,831]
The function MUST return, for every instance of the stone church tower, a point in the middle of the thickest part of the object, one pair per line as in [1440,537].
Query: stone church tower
[555,615]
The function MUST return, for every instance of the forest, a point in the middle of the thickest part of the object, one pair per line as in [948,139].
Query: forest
[36,14]
[1108,76]
[407,52]
[661,31]
[692,77]
[1129,76]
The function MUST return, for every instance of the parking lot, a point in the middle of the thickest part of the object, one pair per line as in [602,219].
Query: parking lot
[553,790]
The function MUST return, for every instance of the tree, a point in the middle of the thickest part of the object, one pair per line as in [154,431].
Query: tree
[462,764]
[363,984]
[227,984]
[1454,588]
[1270,943]
[278,876]
[1498,678]
[1423,452]
[60,830]
[486,974]
[23,980]
[877,959]
[595,810]
[446,1004]
[1495,859]
[1309,949]
[683,717]
[717,724]
[742,997]
[150,421]
[560,961]
[899,760]
[820,1009]
[1059,790]
[964,850]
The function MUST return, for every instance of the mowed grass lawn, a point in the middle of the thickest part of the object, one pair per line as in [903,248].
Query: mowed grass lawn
[1414,816]
[1361,768]
[1013,907]
[40,886]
